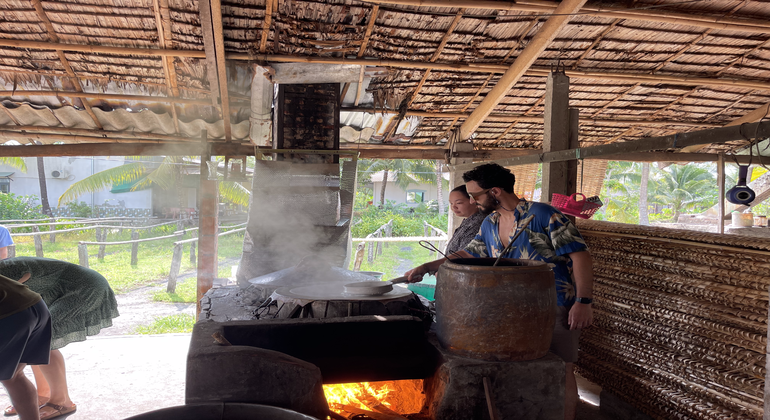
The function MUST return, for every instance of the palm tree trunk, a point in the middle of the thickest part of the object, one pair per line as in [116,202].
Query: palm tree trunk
[43,186]
[440,186]
[643,218]
[382,190]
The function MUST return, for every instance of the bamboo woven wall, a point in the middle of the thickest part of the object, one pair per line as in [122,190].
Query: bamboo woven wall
[680,320]
[526,179]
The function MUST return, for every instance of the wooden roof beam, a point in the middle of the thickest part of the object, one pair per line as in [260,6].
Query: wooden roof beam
[370,151]
[523,62]
[266,22]
[214,44]
[65,63]
[437,53]
[677,141]
[107,96]
[475,68]
[599,9]
[364,43]
[163,24]
[531,119]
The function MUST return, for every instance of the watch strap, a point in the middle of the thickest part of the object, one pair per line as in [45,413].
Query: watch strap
[584,300]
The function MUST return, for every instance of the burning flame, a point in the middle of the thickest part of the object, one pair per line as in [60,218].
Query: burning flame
[389,397]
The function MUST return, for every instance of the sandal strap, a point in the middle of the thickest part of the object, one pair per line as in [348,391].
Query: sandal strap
[56,407]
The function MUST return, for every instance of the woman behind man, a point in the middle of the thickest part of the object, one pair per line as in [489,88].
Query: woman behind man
[81,303]
[460,203]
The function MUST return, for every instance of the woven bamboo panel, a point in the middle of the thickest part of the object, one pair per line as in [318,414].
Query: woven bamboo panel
[680,320]
[593,173]
[526,178]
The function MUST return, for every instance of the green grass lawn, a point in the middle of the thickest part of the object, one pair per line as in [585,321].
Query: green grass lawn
[182,323]
[391,257]
[154,258]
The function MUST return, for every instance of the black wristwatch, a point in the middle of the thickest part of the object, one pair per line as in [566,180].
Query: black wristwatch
[586,301]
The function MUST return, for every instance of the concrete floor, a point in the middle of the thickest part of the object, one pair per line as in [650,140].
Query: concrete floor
[114,377]
[111,378]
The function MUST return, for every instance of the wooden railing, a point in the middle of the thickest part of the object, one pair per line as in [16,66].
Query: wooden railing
[100,230]
[176,259]
[432,231]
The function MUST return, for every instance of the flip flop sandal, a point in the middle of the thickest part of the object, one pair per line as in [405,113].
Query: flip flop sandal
[59,411]
[11,411]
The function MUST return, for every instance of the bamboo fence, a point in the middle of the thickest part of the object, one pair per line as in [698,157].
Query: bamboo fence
[680,320]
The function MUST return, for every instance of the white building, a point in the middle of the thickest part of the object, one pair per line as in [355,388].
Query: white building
[61,172]
[416,193]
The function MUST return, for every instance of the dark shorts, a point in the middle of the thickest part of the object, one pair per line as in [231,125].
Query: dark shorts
[26,339]
[564,342]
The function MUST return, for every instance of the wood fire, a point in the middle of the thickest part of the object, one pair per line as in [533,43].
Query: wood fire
[392,398]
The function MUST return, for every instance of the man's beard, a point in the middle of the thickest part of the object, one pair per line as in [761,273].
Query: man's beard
[486,208]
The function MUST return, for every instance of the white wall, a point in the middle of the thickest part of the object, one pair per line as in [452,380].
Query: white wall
[26,183]
[395,193]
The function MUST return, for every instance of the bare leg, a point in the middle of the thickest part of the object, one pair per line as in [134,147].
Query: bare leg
[23,395]
[56,376]
[43,390]
[570,393]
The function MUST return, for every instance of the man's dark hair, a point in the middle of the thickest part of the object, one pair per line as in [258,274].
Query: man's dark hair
[491,175]
[462,190]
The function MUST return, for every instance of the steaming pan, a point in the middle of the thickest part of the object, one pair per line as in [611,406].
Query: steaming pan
[372,288]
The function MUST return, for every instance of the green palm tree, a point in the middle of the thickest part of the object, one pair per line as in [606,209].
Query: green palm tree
[406,171]
[14,162]
[620,191]
[684,188]
[166,174]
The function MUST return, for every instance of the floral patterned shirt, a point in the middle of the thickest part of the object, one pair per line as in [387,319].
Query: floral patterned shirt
[549,237]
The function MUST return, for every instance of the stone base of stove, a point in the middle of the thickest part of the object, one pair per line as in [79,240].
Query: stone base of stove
[528,390]
[284,362]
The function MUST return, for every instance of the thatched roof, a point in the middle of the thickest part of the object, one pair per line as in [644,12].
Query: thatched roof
[128,66]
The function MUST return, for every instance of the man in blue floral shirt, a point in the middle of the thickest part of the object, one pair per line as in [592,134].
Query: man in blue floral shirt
[549,237]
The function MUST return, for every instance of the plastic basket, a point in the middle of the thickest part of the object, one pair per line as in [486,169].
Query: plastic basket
[569,205]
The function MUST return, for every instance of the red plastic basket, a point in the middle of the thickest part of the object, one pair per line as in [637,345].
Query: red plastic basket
[569,205]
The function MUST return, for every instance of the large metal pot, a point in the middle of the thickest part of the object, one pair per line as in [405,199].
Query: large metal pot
[495,313]
[221,411]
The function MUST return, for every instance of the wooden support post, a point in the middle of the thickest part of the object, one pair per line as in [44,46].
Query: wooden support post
[207,231]
[134,247]
[766,415]
[12,251]
[370,255]
[102,233]
[52,237]
[38,242]
[573,182]
[192,253]
[721,198]
[83,255]
[176,263]
[359,256]
[555,135]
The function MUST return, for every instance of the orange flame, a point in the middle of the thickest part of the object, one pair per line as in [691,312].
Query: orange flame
[402,397]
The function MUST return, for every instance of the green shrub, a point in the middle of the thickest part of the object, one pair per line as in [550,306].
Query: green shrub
[13,207]
[80,209]
[405,222]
